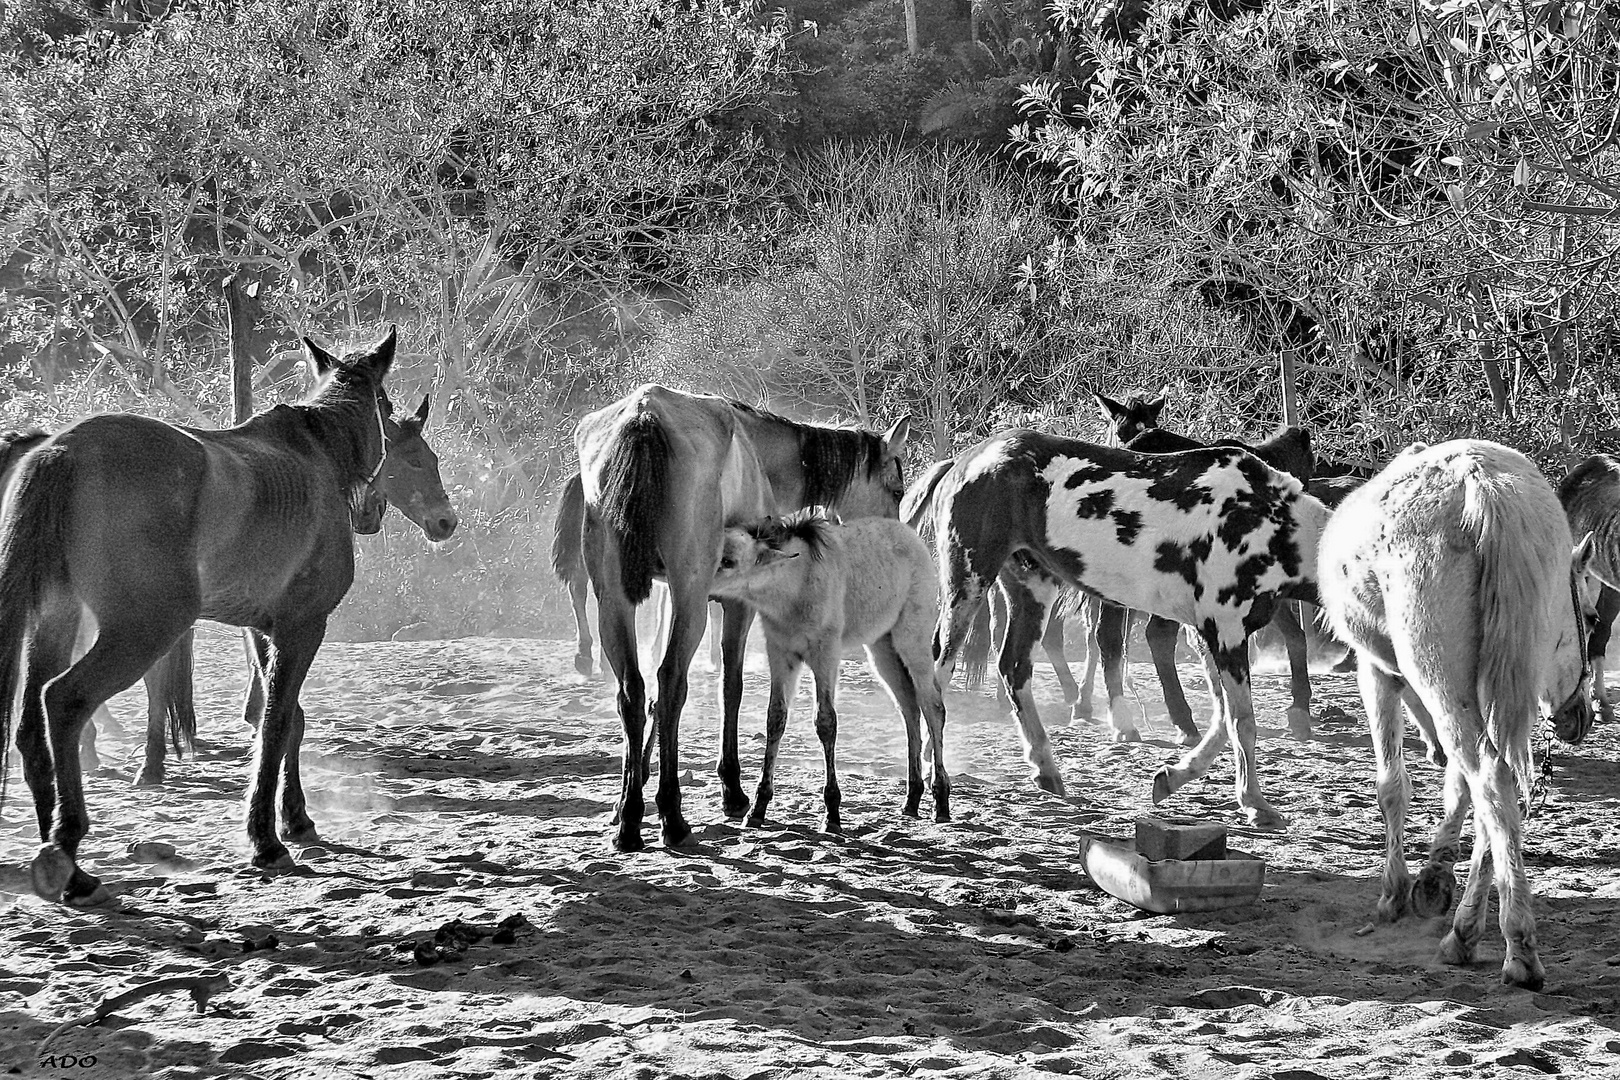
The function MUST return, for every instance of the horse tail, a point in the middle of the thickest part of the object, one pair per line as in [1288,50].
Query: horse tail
[976,650]
[566,541]
[1513,577]
[919,499]
[171,687]
[33,563]
[632,484]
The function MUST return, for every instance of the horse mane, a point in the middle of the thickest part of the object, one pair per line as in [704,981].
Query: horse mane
[812,526]
[339,411]
[828,456]
[1288,450]
[13,444]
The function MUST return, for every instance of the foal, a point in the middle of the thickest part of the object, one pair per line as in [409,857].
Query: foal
[1451,573]
[821,588]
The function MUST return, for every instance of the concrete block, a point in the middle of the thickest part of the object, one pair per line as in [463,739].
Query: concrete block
[1179,838]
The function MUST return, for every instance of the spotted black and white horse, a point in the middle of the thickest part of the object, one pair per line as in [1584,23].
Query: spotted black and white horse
[1211,538]
[1453,574]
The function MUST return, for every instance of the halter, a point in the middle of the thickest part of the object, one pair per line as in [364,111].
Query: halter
[1585,640]
[1543,781]
[382,439]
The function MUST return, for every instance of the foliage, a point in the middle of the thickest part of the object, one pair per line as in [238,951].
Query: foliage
[1405,192]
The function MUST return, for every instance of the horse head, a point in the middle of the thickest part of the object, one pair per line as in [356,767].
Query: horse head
[1572,662]
[1129,418]
[410,477]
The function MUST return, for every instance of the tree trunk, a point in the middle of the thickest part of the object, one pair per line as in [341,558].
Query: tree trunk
[1290,387]
[913,42]
[241,358]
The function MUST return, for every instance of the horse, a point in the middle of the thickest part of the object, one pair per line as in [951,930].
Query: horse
[149,526]
[1590,495]
[1454,575]
[409,481]
[663,472]
[1133,424]
[568,566]
[1213,538]
[820,588]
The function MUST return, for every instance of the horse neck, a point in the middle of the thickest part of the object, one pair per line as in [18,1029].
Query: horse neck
[334,430]
[798,477]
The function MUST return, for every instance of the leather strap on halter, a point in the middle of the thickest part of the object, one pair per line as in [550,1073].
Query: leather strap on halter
[1585,637]
[382,439]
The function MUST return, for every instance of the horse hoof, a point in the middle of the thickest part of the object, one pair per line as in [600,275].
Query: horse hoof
[1437,757]
[1432,892]
[582,664]
[50,872]
[1299,723]
[833,826]
[1161,786]
[629,842]
[276,861]
[149,777]
[1264,817]
[1051,783]
[1129,735]
[1526,976]
[675,832]
[910,810]
[942,814]
[1455,953]
[301,833]
[735,808]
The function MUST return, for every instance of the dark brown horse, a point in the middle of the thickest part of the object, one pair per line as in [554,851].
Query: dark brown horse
[409,481]
[148,527]
[663,473]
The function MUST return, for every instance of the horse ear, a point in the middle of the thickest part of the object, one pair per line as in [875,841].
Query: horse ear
[894,440]
[1109,408]
[768,555]
[1581,558]
[421,414]
[380,357]
[1153,408]
[320,361]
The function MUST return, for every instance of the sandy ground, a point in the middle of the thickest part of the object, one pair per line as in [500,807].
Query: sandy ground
[473,780]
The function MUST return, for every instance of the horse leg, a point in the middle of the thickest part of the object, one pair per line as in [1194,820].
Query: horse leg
[1608,606]
[121,653]
[1468,925]
[893,673]
[1082,707]
[1162,637]
[1286,618]
[1425,725]
[1239,707]
[689,601]
[48,652]
[1111,628]
[824,657]
[1499,829]
[736,620]
[584,648]
[253,697]
[1436,883]
[786,665]
[1030,592]
[1052,645]
[1380,695]
[286,654]
[170,709]
[717,627]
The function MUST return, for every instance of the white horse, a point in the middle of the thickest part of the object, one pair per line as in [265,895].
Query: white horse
[820,588]
[1452,574]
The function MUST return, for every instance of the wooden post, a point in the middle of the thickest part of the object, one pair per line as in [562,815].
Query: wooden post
[241,358]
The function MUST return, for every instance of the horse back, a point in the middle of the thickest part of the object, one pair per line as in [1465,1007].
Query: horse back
[1193,535]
